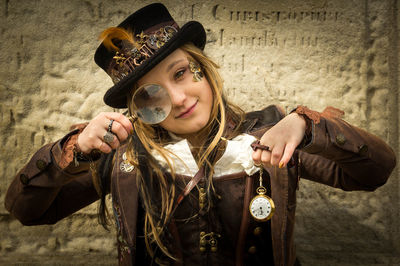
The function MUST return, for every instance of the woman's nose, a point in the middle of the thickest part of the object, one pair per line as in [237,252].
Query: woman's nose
[177,96]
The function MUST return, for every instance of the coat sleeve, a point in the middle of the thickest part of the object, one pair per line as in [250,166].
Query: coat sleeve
[44,193]
[344,156]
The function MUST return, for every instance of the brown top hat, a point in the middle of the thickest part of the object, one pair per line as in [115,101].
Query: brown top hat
[153,35]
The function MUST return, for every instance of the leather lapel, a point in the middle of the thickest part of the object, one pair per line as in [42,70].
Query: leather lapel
[127,196]
[280,196]
[264,120]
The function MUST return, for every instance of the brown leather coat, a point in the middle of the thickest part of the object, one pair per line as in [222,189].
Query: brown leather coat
[338,155]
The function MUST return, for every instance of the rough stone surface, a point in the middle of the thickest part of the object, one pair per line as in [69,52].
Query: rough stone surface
[314,52]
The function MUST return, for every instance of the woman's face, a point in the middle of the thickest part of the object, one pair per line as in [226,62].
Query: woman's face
[191,100]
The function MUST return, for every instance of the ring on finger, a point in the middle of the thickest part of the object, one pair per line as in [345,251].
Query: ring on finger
[108,137]
[110,125]
[256,145]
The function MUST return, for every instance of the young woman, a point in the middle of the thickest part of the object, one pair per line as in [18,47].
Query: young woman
[193,179]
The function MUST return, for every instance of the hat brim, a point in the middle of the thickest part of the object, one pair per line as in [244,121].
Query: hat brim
[192,31]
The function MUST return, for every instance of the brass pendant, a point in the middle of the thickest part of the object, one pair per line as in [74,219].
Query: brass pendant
[125,166]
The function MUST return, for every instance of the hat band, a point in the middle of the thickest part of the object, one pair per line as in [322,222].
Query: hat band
[131,56]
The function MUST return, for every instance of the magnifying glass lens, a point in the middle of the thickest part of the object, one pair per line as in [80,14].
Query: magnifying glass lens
[152,103]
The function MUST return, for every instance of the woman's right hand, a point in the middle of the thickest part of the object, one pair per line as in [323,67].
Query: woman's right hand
[92,137]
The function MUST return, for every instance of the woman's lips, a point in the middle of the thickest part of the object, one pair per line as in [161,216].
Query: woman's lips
[188,112]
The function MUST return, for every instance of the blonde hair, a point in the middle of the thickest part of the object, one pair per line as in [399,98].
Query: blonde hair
[158,186]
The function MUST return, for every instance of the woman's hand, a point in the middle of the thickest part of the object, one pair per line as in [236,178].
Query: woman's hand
[282,139]
[92,137]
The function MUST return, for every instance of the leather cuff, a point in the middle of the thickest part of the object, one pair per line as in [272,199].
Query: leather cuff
[311,117]
[69,151]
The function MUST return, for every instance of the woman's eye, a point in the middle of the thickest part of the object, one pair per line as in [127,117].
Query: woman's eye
[179,73]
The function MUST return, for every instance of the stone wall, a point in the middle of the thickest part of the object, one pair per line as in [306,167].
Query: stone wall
[314,52]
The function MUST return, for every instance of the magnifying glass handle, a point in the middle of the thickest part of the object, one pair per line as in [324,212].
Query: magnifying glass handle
[133,119]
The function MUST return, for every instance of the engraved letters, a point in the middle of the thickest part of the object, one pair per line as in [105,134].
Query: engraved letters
[273,16]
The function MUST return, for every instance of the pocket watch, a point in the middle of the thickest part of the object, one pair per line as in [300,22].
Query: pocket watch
[261,206]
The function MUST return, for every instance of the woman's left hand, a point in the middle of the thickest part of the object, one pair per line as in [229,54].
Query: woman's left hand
[282,139]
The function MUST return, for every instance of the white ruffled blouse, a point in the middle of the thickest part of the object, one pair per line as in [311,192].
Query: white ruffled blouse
[237,157]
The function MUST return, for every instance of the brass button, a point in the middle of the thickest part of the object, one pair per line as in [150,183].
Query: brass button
[252,250]
[340,139]
[41,165]
[363,149]
[24,179]
[257,231]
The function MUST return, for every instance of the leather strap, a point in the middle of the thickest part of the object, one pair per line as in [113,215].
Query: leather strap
[192,183]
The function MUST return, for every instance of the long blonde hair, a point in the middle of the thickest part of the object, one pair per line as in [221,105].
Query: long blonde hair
[158,186]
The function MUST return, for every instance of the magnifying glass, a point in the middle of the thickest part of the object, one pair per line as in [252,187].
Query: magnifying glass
[151,104]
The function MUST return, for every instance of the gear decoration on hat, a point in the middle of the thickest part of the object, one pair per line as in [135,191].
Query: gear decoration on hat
[132,52]
[161,36]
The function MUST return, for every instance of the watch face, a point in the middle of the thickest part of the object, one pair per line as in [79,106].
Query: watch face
[261,208]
